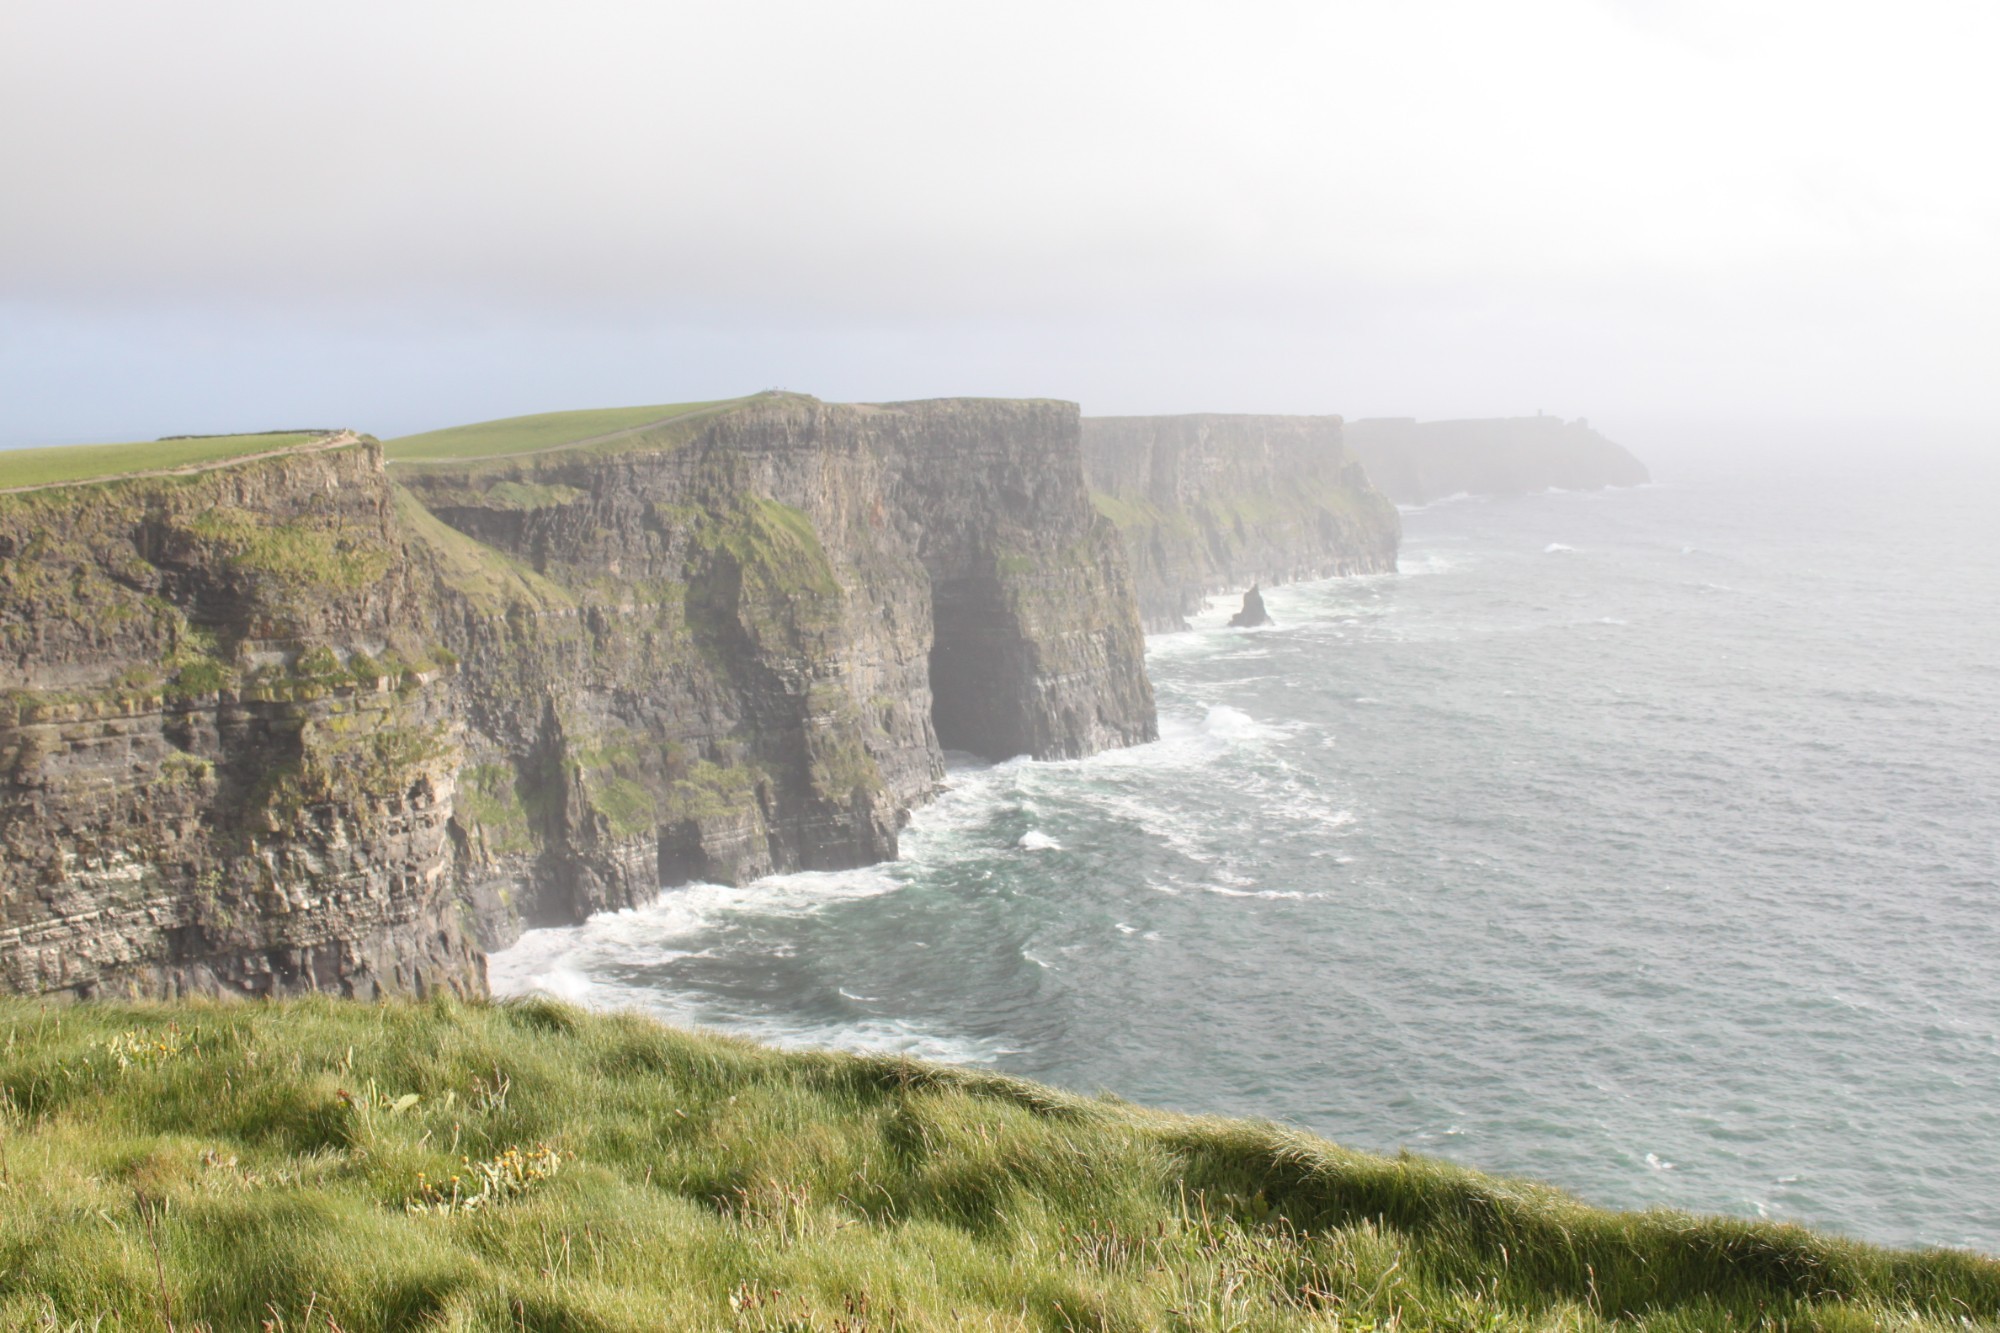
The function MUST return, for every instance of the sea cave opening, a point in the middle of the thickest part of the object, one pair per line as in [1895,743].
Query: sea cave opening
[976,669]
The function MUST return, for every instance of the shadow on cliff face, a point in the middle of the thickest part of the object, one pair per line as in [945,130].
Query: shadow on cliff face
[976,657]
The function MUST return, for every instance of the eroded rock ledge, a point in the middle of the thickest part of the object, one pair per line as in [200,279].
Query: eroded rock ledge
[1213,503]
[310,723]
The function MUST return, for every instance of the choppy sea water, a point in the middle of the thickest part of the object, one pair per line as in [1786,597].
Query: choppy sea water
[1646,842]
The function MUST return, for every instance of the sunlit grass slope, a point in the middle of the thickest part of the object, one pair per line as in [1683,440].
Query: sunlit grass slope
[88,462]
[608,426]
[332,1165]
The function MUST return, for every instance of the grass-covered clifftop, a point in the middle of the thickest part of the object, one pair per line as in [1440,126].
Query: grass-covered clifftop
[600,431]
[341,1166]
[65,464]
[697,641]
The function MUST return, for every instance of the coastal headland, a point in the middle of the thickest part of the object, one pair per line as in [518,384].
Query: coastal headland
[308,712]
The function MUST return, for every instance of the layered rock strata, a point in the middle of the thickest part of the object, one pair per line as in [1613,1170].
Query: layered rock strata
[1211,504]
[229,743]
[307,723]
[757,634]
[1418,462]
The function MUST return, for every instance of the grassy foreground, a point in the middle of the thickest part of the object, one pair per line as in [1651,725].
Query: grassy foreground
[330,1165]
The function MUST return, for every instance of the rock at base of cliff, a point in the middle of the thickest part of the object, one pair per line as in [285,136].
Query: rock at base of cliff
[1253,612]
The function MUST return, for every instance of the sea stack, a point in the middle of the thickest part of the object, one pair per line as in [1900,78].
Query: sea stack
[1253,612]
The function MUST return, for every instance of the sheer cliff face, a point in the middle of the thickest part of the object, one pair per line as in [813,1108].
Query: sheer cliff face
[196,793]
[1209,504]
[1418,462]
[289,725]
[760,636]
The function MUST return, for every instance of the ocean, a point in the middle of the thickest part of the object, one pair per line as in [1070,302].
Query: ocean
[1645,842]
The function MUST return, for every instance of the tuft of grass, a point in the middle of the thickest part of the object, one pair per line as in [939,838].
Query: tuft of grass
[291,1165]
[90,462]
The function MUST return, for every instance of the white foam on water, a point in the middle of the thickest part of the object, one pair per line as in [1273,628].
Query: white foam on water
[1215,615]
[564,983]
[873,1036]
[1653,1160]
[561,960]
[1172,830]
[1456,497]
[565,962]
[956,824]
[1421,563]
[1556,548]
[1184,745]
[867,1036]
[1233,724]
[1311,601]
[1182,643]
[1034,840]
[1268,895]
[1042,963]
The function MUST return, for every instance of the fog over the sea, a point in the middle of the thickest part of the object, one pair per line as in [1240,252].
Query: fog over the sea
[223,214]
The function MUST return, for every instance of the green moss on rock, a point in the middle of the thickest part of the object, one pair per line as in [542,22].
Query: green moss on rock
[302,553]
[712,791]
[489,799]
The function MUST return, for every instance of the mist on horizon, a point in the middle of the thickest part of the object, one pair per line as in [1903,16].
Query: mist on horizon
[231,216]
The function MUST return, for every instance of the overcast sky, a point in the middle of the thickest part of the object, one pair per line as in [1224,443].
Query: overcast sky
[229,215]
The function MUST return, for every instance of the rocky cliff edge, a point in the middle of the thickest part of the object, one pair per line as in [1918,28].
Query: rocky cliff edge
[1418,462]
[313,722]
[1214,503]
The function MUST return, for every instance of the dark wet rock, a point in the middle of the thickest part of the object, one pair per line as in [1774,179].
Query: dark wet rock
[1253,612]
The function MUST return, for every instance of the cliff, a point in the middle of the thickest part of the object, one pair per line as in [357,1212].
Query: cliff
[759,628]
[1208,504]
[303,721]
[1419,462]
[228,746]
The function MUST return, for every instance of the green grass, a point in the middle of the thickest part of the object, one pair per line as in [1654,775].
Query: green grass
[331,1165]
[90,462]
[301,553]
[545,431]
[492,580]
